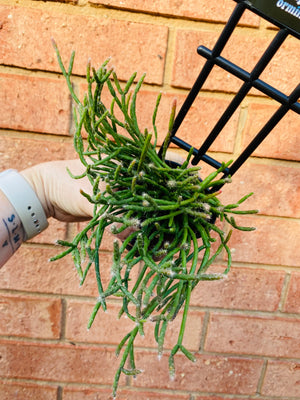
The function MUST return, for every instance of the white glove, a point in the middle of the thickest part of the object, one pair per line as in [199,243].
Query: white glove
[58,193]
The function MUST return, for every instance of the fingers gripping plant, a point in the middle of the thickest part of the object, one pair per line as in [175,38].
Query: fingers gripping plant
[168,212]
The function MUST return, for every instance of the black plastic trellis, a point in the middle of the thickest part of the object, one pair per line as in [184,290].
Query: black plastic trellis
[286,17]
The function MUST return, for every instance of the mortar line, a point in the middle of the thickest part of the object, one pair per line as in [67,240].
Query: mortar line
[284,292]
[170,56]
[63,320]
[242,119]
[59,393]
[204,331]
[262,377]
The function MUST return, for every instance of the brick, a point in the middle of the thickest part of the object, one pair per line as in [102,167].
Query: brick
[195,9]
[26,391]
[241,50]
[276,189]
[243,289]
[285,80]
[87,394]
[222,398]
[108,329]
[208,374]
[292,303]
[187,65]
[196,126]
[93,394]
[20,152]
[59,363]
[64,1]
[282,142]
[282,379]
[145,50]
[56,230]
[29,270]
[238,334]
[218,398]
[34,104]
[275,241]
[30,316]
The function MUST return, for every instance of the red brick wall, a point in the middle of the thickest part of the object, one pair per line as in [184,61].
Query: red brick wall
[245,330]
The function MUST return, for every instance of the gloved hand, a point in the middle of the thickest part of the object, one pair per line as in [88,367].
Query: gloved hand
[58,193]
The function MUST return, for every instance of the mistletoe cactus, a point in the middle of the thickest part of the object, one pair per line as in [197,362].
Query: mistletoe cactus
[166,211]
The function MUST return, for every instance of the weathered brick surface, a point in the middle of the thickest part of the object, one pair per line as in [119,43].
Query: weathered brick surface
[246,325]
[146,51]
[108,329]
[274,337]
[244,289]
[284,79]
[219,398]
[282,379]
[29,270]
[201,119]
[60,363]
[34,104]
[276,189]
[283,142]
[241,50]
[195,9]
[29,316]
[92,394]
[26,391]
[208,374]
[22,152]
[292,303]
[275,241]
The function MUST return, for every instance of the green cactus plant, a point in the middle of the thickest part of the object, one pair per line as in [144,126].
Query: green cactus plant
[170,213]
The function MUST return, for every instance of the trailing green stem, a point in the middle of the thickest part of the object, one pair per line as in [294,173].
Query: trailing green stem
[167,214]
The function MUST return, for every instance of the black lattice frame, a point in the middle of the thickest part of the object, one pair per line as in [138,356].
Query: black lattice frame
[250,79]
